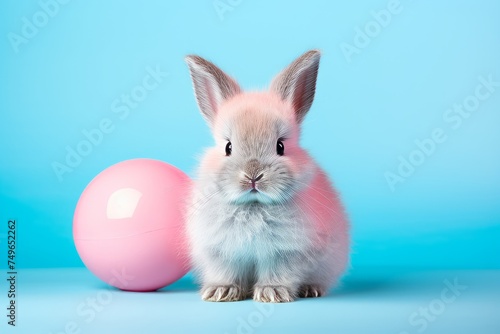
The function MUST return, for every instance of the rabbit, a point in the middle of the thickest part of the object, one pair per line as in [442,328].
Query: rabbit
[263,219]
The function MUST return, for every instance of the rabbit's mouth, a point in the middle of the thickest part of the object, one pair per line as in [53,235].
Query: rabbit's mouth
[254,195]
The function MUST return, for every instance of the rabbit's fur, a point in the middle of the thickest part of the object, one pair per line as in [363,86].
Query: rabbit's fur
[260,223]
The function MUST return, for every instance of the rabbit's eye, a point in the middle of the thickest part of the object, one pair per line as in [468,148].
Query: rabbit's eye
[229,148]
[280,148]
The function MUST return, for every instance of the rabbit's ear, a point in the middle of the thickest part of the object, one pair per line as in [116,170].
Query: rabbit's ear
[297,83]
[211,86]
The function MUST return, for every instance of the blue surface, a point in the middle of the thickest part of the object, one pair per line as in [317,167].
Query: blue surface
[399,87]
[383,300]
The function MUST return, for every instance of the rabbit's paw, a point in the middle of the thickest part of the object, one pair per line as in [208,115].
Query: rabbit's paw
[222,293]
[272,294]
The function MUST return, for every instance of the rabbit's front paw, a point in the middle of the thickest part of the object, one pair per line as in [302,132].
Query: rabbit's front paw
[222,293]
[311,291]
[272,294]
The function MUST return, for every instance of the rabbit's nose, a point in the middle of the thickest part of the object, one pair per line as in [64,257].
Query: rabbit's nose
[254,180]
[253,171]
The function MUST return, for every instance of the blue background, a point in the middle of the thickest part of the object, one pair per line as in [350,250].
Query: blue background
[368,111]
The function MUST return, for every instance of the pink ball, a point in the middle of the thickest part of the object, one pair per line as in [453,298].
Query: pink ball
[129,225]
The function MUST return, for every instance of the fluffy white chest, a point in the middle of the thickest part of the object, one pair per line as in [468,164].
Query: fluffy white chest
[251,232]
